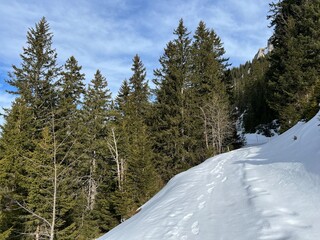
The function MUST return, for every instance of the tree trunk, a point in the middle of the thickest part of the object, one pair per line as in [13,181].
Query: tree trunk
[92,191]
[38,233]
[113,147]
[205,128]
[55,180]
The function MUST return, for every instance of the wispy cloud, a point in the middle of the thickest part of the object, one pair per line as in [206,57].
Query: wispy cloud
[106,35]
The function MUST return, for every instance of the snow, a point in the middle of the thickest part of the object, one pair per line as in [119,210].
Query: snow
[254,139]
[263,192]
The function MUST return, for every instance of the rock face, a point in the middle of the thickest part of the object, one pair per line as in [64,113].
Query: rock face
[262,52]
[270,45]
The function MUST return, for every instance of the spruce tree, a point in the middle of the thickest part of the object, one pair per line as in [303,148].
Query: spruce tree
[34,83]
[96,166]
[15,143]
[207,91]
[172,80]
[123,94]
[70,90]
[139,89]
[294,69]
[41,183]
[140,180]
[250,92]
[34,79]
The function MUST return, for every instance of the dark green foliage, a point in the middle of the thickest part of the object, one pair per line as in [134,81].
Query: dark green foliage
[15,143]
[34,78]
[31,114]
[294,70]
[207,91]
[139,178]
[171,81]
[249,91]
[95,167]
[74,164]
[70,89]
[190,87]
[122,98]
[139,90]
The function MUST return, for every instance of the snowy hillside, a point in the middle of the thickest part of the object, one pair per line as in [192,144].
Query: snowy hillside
[264,192]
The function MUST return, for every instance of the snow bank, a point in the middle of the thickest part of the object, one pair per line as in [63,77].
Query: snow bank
[264,192]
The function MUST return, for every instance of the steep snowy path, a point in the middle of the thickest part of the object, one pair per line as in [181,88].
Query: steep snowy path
[285,196]
[266,192]
[202,203]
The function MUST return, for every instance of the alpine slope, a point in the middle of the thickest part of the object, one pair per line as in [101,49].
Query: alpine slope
[263,192]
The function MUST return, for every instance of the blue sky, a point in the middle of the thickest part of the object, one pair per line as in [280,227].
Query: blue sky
[106,34]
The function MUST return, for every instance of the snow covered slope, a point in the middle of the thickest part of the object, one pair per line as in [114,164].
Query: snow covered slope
[264,192]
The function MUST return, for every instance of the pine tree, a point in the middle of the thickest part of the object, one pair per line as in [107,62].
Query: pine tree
[40,184]
[34,79]
[250,93]
[294,62]
[139,89]
[16,140]
[96,167]
[70,89]
[140,180]
[207,93]
[208,62]
[34,83]
[172,80]
[123,94]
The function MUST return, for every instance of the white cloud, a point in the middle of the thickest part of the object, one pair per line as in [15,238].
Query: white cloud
[106,35]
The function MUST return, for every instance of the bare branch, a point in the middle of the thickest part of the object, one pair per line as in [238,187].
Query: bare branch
[33,213]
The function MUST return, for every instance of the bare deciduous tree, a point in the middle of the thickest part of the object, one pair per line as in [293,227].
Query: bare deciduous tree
[216,123]
[113,148]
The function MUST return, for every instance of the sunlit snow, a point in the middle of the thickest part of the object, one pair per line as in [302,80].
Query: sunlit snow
[263,192]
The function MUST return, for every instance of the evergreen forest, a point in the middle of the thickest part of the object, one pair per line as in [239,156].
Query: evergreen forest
[76,161]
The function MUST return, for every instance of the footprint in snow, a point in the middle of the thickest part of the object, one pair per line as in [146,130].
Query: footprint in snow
[255,179]
[258,190]
[297,223]
[276,236]
[210,190]
[187,217]
[173,214]
[195,228]
[287,211]
[201,205]
[173,232]
[274,233]
[224,179]
[213,171]
[200,197]
[287,217]
[210,184]
[279,212]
